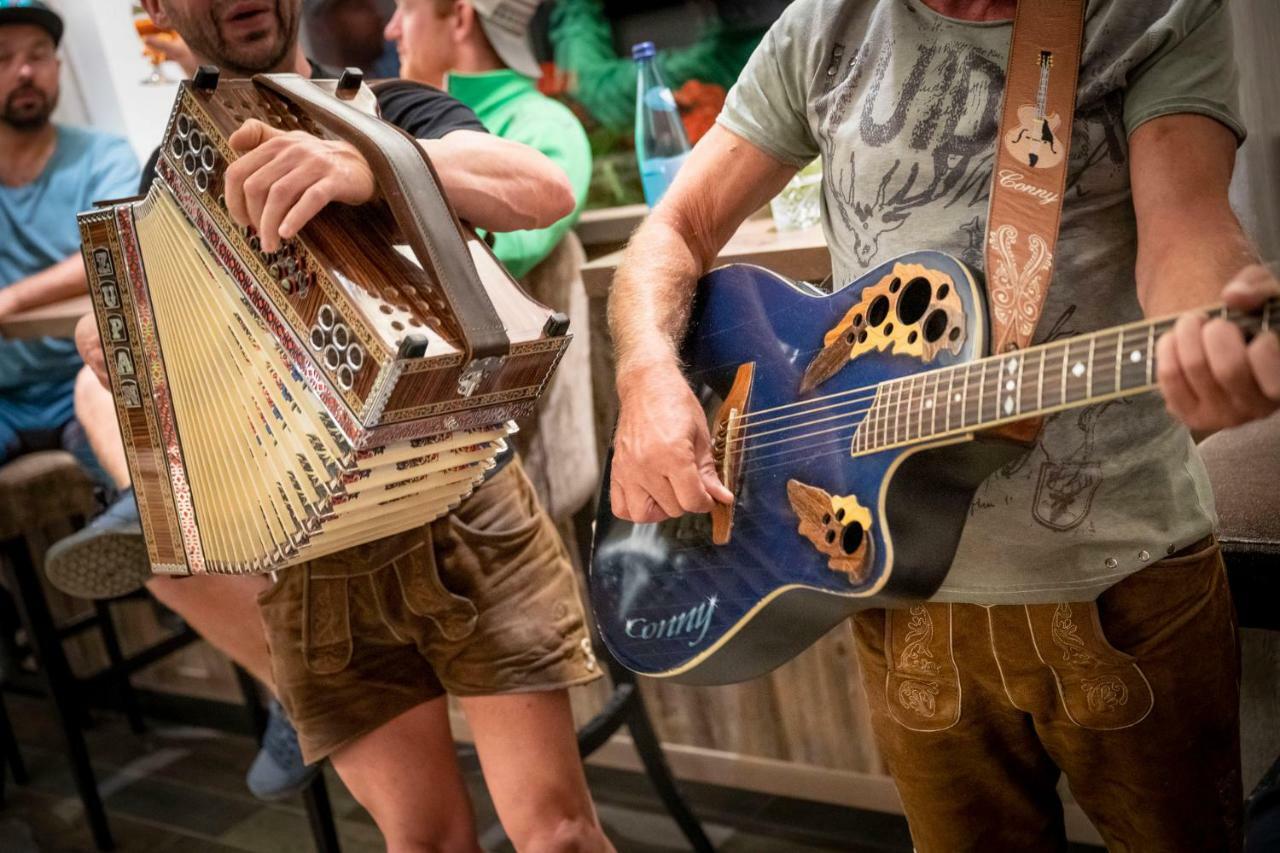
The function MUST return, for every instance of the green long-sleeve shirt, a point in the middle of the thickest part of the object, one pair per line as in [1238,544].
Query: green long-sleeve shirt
[606,83]
[510,106]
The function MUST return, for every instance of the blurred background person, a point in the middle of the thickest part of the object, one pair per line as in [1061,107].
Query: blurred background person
[48,173]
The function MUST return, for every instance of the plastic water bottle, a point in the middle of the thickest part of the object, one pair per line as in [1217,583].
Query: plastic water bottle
[661,146]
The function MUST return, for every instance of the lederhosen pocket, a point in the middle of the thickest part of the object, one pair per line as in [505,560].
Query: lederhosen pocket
[328,590]
[425,594]
[922,686]
[1101,687]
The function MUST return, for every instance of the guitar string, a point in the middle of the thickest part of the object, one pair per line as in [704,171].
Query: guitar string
[1116,333]
[919,392]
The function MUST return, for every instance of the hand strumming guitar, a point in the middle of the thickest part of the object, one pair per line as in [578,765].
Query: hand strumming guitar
[662,464]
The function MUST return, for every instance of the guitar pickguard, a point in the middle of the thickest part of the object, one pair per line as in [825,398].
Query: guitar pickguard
[837,526]
[914,311]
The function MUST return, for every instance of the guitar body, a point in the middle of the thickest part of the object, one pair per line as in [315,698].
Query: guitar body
[1034,142]
[816,533]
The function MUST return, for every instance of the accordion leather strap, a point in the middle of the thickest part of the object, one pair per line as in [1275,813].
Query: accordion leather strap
[419,207]
[1030,174]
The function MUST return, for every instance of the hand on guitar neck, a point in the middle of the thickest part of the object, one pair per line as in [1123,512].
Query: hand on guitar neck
[1211,378]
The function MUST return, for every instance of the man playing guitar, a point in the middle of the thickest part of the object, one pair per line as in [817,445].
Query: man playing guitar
[1102,533]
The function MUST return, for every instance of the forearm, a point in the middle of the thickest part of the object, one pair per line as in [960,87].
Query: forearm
[521,251]
[63,280]
[498,185]
[1190,243]
[1188,264]
[650,299]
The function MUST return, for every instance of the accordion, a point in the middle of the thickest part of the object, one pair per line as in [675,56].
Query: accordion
[356,383]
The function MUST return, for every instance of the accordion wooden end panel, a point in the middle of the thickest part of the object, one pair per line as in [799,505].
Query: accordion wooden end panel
[277,407]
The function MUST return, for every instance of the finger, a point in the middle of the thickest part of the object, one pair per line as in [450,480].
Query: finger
[251,134]
[281,198]
[243,170]
[650,512]
[1264,358]
[707,473]
[1195,364]
[657,488]
[257,188]
[308,205]
[1178,396]
[1229,363]
[1250,287]
[618,499]
[689,491]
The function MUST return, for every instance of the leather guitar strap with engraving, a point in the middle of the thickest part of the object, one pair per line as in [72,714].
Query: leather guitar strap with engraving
[1030,175]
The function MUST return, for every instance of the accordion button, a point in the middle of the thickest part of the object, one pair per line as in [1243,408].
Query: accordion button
[318,338]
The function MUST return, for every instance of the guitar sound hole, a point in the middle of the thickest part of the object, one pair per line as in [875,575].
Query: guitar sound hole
[914,300]
[943,290]
[878,311]
[894,285]
[851,539]
[936,326]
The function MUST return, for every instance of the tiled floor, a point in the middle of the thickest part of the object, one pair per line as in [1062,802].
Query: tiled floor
[181,790]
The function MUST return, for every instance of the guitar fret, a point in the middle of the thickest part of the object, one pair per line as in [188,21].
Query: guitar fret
[964,399]
[933,404]
[1044,354]
[897,416]
[951,384]
[1066,356]
[1088,370]
[982,389]
[924,379]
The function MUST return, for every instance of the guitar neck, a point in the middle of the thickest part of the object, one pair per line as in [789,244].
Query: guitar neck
[1042,93]
[1040,380]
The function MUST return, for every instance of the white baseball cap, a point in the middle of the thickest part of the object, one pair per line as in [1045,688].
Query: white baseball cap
[506,23]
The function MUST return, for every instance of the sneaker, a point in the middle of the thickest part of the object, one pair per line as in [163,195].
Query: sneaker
[106,559]
[278,772]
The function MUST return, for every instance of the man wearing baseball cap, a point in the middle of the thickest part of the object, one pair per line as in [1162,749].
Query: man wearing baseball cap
[479,52]
[48,173]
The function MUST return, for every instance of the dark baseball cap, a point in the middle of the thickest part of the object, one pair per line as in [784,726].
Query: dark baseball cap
[31,12]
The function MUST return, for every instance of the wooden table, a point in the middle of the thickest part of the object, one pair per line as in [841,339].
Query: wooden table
[800,255]
[56,320]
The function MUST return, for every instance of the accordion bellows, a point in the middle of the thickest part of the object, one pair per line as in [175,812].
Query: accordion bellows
[280,407]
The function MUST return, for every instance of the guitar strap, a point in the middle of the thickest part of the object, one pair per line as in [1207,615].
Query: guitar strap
[1030,175]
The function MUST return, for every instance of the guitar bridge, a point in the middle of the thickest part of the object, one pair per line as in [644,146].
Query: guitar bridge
[727,436]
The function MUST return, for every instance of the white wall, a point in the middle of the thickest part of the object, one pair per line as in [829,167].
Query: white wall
[103,69]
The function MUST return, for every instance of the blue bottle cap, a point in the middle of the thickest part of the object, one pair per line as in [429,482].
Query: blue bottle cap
[644,50]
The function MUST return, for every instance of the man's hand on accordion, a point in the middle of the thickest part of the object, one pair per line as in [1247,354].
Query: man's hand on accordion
[282,180]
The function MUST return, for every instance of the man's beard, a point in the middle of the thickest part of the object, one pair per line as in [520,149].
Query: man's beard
[31,117]
[255,54]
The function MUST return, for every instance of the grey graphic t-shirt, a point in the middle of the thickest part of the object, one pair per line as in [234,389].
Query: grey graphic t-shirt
[902,104]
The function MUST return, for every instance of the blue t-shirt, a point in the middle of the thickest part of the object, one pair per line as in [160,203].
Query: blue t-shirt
[38,229]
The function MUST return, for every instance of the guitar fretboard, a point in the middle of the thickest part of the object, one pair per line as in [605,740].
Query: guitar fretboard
[1029,383]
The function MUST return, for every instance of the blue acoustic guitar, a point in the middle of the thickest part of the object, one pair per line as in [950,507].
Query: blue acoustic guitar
[853,429]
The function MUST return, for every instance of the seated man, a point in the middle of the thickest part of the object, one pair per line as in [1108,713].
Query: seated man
[479,52]
[384,716]
[48,173]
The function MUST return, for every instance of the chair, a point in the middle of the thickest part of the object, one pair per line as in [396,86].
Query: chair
[1244,467]
[41,492]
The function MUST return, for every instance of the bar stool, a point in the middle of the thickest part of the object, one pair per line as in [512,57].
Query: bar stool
[38,491]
